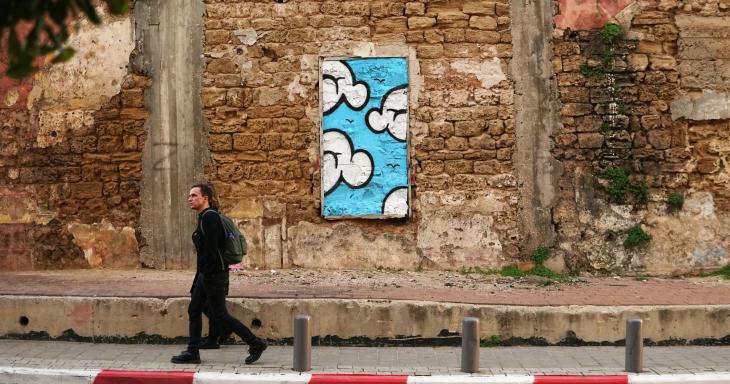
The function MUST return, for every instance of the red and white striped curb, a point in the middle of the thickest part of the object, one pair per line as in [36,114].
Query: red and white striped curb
[11,375]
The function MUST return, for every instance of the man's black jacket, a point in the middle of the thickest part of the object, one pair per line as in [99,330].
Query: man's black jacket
[209,238]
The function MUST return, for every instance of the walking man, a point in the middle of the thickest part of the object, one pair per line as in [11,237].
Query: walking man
[211,280]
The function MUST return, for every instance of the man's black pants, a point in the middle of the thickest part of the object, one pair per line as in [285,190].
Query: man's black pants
[210,290]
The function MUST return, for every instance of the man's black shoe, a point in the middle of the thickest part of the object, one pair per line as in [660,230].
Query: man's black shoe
[186,357]
[255,351]
[209,344]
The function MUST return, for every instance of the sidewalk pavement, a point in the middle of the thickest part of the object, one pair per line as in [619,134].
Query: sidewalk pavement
[23,361]
[436,286]
[415,361]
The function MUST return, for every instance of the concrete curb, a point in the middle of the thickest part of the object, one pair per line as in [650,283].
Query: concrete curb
[11,375]
[361,321]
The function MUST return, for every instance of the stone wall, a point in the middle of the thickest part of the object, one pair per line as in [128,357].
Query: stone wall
[79,169]
[654,113]
[70,157]
[261,100]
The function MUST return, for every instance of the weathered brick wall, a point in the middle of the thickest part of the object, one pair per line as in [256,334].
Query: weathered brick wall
[70,160]
[71,154]
[646,135]
[261,101]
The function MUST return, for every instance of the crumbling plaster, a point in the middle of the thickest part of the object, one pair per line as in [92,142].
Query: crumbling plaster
[684,242]
[61,104]
[106,246]
[67,94]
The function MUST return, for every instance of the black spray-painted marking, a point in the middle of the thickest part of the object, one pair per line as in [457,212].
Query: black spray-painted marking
[171,151]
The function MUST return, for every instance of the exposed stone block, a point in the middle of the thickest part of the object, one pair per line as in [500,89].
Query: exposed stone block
[576,109]
[652,18]
[213,97]
[477,36]
[421,22]
[130,143]
[504,154]
[415,37]
[222,65]
[662,62]
[454,35]
[133,98]
[470,182]
[590,140]
[650,47]
[430,51]
[483,22]
[133,114]
[434,36]
[86,190]
[571,79]
[432,167]
[638,62]
[215,37]
[441,129]
[415,8]
[220,142]
[565,140]
[456,143]
[468,128]
[478,8]
[660,139]
[391,25]
[482,142]
[460,50]
[707,165]
[502,9]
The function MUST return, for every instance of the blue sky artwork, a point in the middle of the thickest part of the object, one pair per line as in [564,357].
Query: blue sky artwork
[367,111]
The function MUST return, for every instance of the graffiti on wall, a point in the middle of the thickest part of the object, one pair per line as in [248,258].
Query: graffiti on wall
[364,137]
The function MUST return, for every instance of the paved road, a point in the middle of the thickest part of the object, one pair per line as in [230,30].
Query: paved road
[385,360]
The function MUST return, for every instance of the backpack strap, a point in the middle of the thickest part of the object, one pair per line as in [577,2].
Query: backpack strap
[200,224]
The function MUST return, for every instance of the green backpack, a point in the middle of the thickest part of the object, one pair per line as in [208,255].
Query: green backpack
[235,246]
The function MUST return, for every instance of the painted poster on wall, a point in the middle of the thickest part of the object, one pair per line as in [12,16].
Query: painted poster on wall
[364,139]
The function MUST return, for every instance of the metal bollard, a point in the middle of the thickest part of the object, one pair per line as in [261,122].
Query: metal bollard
[470,345]
[634,345]
[302,343]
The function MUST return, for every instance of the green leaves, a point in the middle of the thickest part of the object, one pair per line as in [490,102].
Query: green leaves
[675,201]
[64,55]
[636,238]
[619,185]
[589,71]
[34,29]
[540,255]
[611,33]
[118,7]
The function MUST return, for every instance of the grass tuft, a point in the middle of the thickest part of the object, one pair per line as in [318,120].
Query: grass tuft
[636,238]
[675,201]
[511,271]
[540,255]
[611,33]
[588,71]
[724,272]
